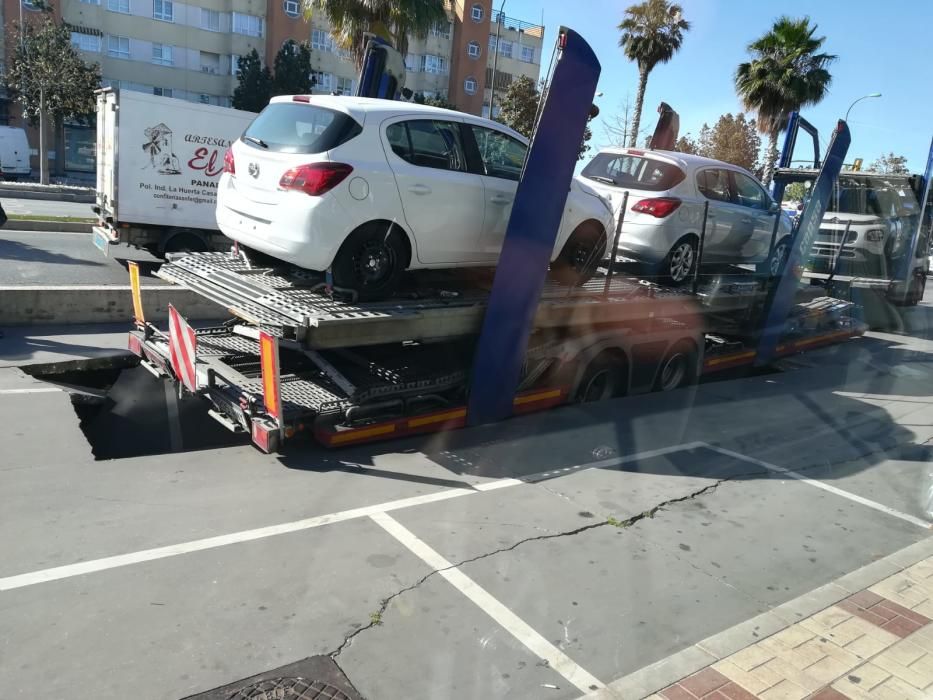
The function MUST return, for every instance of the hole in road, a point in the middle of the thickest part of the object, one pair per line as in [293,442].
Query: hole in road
[129,413]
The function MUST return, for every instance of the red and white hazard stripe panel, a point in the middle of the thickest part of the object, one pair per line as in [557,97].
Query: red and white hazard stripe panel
[182,346]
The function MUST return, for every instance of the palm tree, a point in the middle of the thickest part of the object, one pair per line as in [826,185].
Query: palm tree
[652,32]
[393,20]
[785,73]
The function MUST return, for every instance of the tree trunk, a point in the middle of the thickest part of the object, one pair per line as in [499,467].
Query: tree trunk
[59,144]
[43,144]
[771,157]
[639,101]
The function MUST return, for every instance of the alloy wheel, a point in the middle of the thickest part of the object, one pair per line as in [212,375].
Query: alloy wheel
[681,261]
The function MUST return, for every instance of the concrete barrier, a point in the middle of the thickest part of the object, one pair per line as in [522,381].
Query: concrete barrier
[53,226]
[23,306]
[49,194]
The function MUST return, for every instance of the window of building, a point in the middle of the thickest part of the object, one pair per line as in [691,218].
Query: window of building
[321,40]
[164,10]
[85,42]
[503,80]
[428,143]
[344,86]
[492,42]
[250,25]
[118,46]
[469,85]
[323,82]
[473,49]
[162,55]
[91,2]
[528,54]
[210,62]
[234,64]
[412,63]
[291,8]
[441,29]
[210,20]
[204,99]
[119,6]
[505,48]
[162,92]
[433,64]
[477,13]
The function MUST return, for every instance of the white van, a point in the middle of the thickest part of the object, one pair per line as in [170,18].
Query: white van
[14,153]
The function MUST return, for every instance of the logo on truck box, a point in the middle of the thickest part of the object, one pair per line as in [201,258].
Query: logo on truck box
[159,147]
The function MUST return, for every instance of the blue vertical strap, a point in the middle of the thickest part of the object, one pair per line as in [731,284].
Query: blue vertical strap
[787,154]
[532,232]
[906,266]
[782,295]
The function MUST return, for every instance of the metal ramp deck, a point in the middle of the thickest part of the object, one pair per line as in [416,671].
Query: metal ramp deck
[289,298]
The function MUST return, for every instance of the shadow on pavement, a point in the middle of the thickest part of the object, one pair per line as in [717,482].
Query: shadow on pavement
[17,250]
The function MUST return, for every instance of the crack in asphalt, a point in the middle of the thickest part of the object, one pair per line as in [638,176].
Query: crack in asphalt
[375,619]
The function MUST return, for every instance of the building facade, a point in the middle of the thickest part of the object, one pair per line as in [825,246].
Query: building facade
[189,50]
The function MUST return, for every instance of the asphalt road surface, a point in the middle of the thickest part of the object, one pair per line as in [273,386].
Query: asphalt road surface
[41,258]
[40,207]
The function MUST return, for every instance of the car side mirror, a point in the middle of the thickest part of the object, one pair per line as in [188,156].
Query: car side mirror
[774,208]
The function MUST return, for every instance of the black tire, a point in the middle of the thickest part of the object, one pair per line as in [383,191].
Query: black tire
[371,261]
[678,368]
[185,243]
[774,265]
[604,378]
[917,289]
[579,259]
[679,264]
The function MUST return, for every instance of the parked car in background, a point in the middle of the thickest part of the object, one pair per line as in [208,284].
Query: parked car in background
[370,188]
[664,216]
[14,153]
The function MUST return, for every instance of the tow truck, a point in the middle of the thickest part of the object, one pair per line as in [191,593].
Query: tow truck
[447,352]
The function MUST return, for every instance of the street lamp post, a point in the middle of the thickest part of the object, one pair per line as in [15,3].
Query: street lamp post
[863,97]
[495,62]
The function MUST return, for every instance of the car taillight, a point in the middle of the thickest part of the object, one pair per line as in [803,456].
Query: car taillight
[657,206]
[229,165]
[315,178]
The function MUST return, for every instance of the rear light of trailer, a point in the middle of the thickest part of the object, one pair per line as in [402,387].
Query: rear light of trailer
[657,206]
[315,178]
[229,165]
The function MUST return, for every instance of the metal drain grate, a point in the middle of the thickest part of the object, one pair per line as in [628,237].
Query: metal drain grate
[289,689]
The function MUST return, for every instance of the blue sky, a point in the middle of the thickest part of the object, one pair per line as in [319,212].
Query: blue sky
[881,47]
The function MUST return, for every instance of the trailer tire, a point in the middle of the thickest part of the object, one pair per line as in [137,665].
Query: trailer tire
[679,264]
[678,368]
[372,261]
[604,378]
[579,259]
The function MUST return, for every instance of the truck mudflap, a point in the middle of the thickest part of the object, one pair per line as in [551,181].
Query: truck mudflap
[103,237]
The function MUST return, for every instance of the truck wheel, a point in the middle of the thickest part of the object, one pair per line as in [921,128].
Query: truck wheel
[680,261]
[371,261]
[603,379]
[774,265]
[184,243]
[577,262]
[678,368]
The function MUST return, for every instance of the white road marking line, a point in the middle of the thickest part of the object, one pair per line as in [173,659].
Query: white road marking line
[490,605]
[35,390]
[826,487]
[174,421]
[86,567]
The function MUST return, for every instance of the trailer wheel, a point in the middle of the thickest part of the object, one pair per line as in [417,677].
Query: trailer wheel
[678,368]
[775,262]
[371,261]
[579,259]
[603,379]
[680,262]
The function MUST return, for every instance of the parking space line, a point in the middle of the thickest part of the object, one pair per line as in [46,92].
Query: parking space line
[92,566]
[826,487]
[490,605]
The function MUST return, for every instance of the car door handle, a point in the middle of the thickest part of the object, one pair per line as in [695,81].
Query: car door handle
[747,220]
[419,189]
[500,199]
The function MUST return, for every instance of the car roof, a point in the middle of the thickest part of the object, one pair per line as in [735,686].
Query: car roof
[685,160]
[359,107]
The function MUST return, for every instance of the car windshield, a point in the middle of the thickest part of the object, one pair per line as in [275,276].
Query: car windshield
[871,195]
[632,171]
[298,127]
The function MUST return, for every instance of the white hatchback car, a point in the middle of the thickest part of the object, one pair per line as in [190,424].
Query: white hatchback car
[664,217]
[369,188]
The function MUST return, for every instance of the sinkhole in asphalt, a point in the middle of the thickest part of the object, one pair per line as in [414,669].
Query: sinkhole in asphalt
[129,413]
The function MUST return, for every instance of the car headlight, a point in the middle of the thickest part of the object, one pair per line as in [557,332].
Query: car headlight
[875,235]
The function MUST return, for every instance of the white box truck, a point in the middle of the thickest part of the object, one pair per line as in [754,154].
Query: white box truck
[158,164]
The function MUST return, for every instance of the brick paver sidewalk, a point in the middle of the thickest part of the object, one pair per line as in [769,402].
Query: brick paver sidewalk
[874,645]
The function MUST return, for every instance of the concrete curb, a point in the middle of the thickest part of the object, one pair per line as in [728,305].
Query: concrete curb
[56,194]
[54,226]
[26,306]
